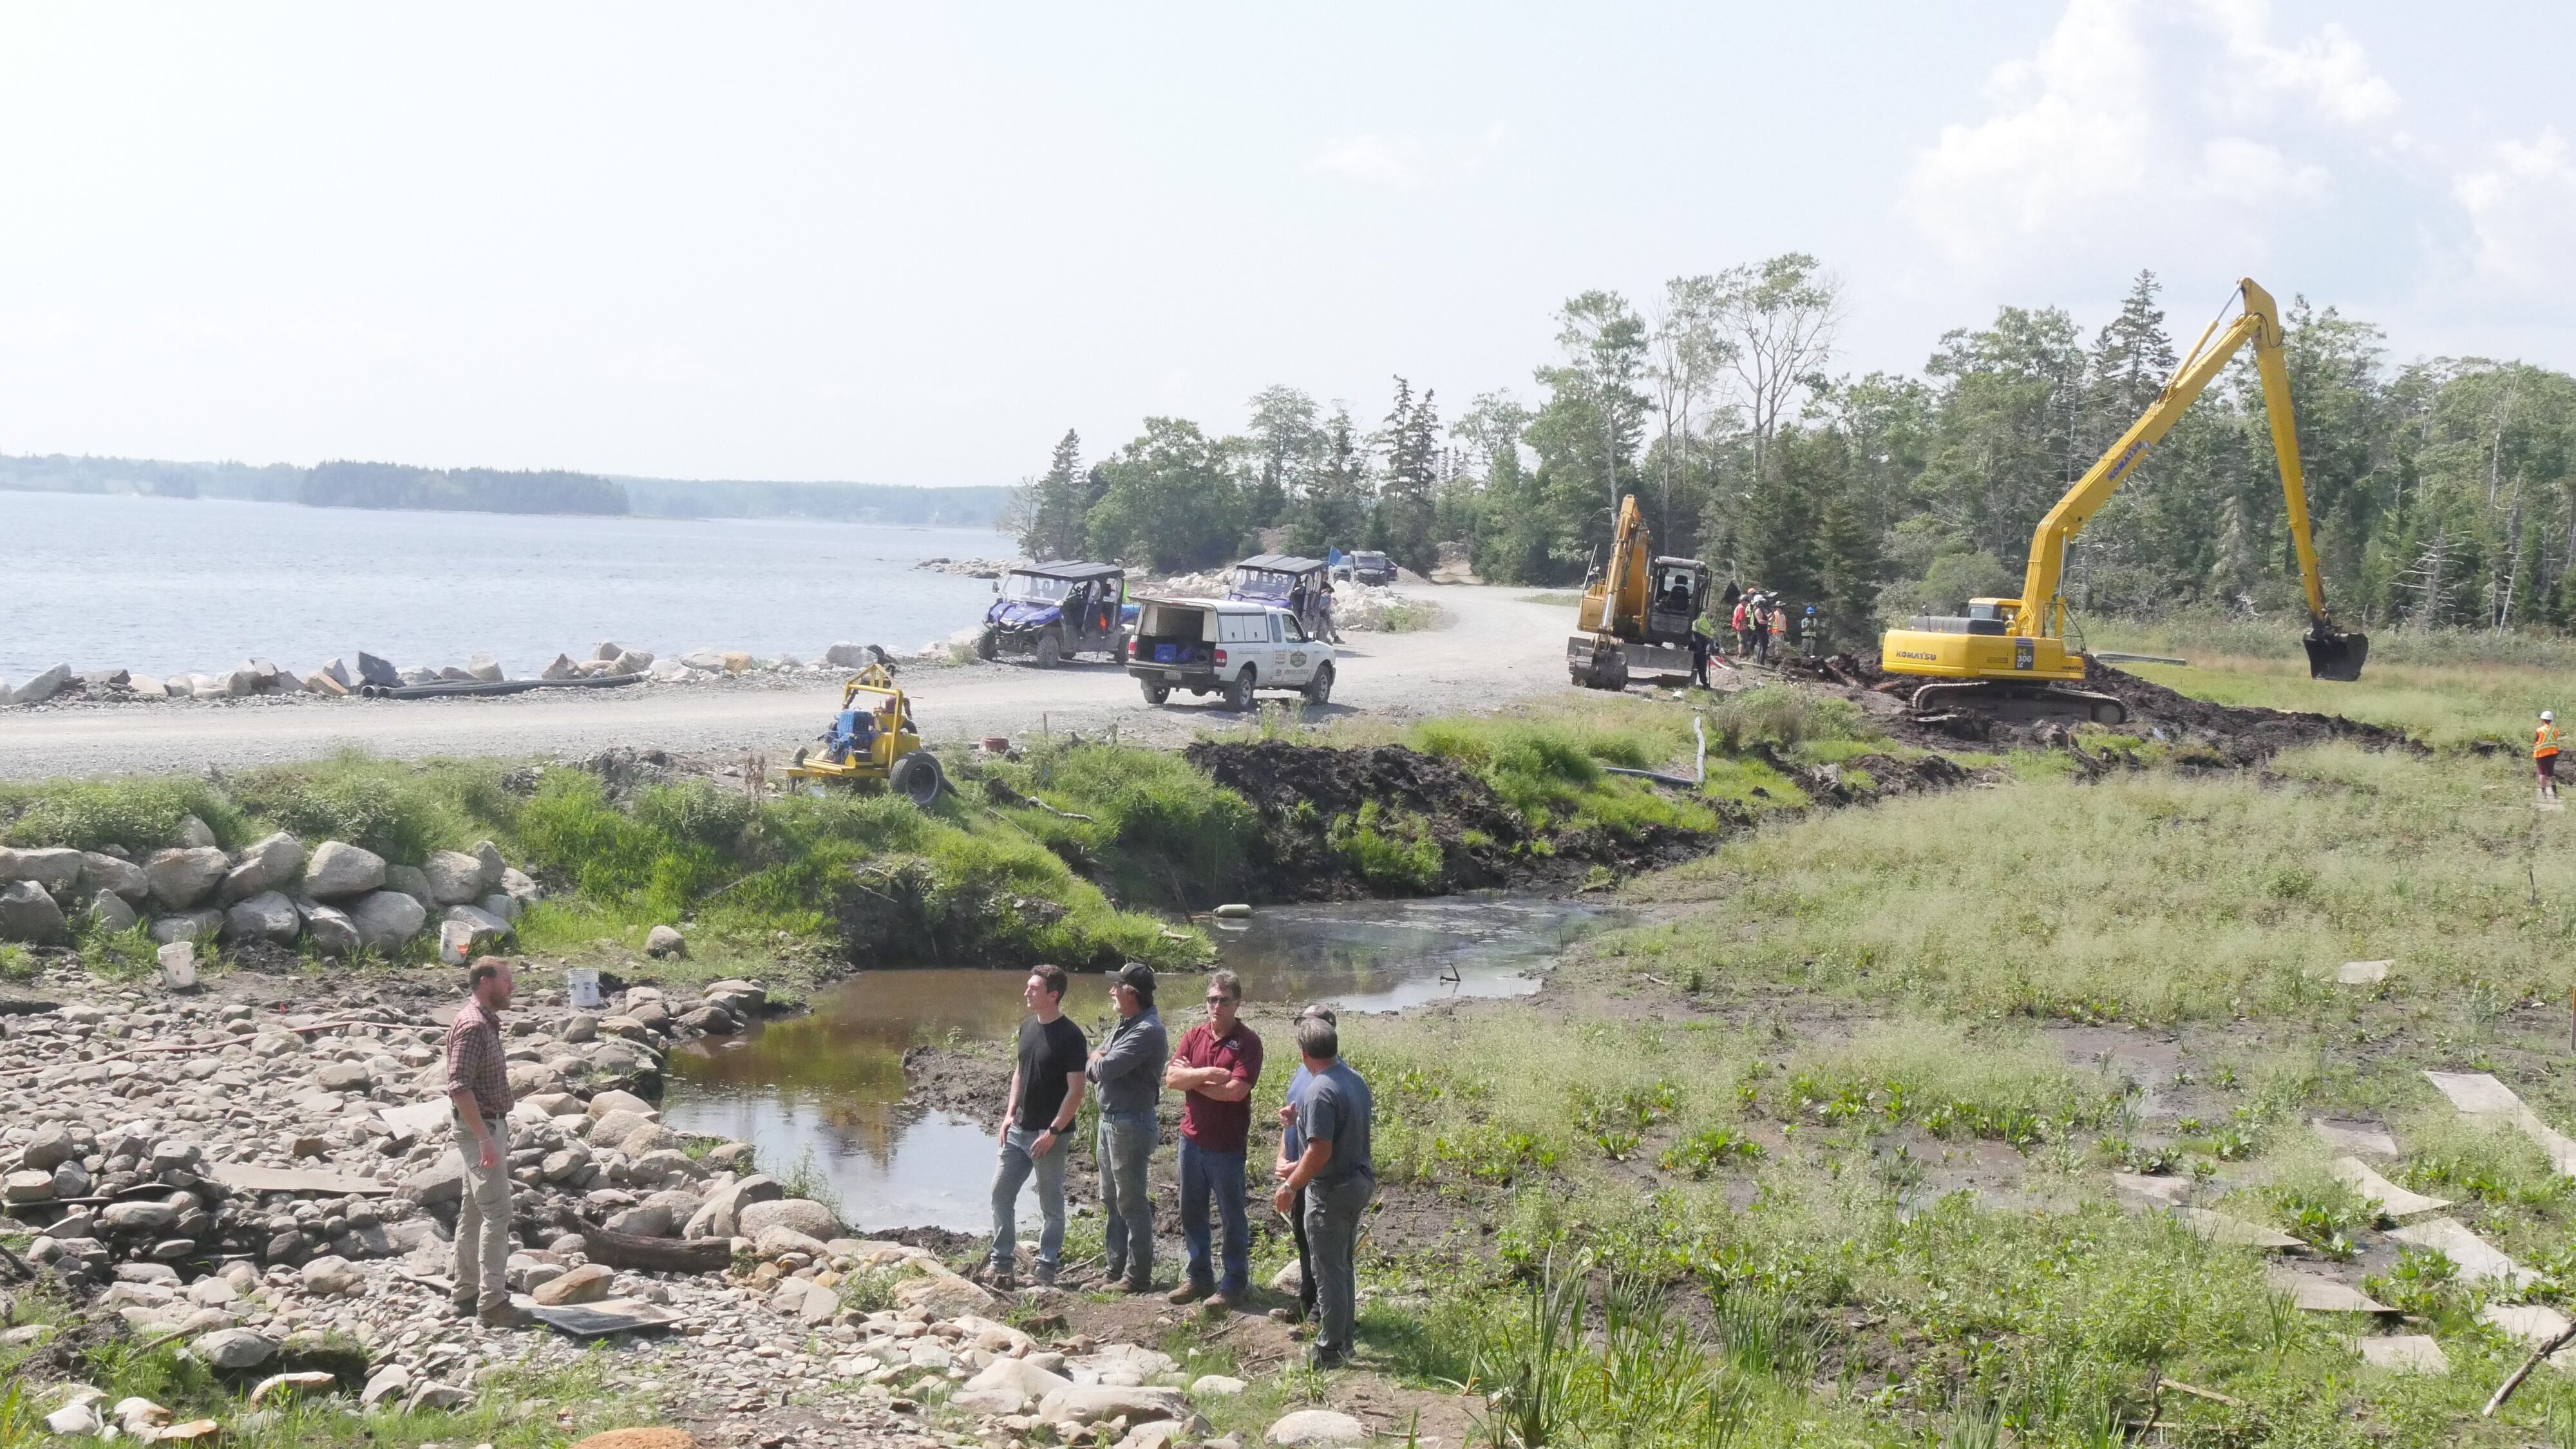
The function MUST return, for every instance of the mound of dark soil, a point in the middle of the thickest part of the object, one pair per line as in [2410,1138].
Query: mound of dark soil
[1301,790]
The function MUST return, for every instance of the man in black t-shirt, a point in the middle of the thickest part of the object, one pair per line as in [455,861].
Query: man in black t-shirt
[1046,1090]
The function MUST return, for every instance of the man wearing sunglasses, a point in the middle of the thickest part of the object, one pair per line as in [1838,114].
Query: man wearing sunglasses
[1218,1063]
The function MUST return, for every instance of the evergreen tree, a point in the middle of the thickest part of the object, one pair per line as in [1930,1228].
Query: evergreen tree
[1334,513]
[1401,523]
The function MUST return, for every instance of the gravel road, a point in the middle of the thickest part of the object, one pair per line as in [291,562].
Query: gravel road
[1496,647]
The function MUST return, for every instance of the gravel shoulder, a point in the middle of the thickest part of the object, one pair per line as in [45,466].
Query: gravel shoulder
[1496,647]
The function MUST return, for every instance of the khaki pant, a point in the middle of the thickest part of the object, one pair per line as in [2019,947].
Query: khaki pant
[483,1218]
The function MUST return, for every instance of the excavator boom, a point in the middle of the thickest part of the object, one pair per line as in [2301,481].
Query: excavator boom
[2023,640]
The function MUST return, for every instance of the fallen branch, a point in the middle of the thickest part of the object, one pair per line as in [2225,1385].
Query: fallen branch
[2213,1395]
[2505,1390]
[657,1255]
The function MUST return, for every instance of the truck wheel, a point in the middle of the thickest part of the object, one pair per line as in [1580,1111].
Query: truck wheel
[916,778]
[1155,693]
[987,645]
[1319,690]
[1238,695]
[1050,650]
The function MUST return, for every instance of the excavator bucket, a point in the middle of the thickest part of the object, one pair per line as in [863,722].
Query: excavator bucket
[2337,656]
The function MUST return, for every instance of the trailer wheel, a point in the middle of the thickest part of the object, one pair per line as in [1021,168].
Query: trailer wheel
[916,778]
[1155,693]
[1238,695]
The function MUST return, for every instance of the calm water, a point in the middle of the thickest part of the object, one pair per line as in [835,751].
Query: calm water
[831,1083]
[170,585]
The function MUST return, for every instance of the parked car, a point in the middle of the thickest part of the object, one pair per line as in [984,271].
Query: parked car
[1228,647]
[1368,566]
[1054,611]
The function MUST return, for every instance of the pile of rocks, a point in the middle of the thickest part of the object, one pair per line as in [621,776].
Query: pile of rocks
[970,568]
[339,899]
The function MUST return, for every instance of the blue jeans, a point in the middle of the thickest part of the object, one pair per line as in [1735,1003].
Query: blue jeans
[1008,1174]
[1219,1173]
[1126,1144]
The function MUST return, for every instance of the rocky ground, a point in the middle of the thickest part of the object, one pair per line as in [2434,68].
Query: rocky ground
[269,1181]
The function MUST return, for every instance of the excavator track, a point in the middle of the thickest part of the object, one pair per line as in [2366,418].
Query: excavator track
[1998,699]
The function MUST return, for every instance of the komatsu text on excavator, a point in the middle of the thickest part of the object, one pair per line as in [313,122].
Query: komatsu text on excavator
[2008,657]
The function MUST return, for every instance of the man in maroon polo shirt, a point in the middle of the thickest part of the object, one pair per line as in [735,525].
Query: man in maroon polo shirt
[1216,1065]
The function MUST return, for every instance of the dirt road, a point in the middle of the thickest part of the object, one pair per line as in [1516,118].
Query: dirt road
[1496,647]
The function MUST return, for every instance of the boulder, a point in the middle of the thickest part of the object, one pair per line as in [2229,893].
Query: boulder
[519,886]
[195,834]
[71,1180]
[613,1100]
[234,1349]
[278,1388]
[202,925]
[454,877]
[331,931]
[110,912]
[28,914]
[586,1284]
[1084,1405]
[441,1181]
[268,917]
[390,1382]
[484,668]
[181,878]
[50,1148]
[616,1127]
[665,943]
[562,668]
[342,1076]
[633,661]
[488,856]
[145,1216]
[710,660]
[720,1215]
[775,1241]
[853,656]
[642,1221]
[43,687]
[147,687]
[372,670]
[267,865]
[337,671]
[501,906]
[1020,1375]
[332,1275]
[339,870]
[412,881]
[941,1292]
[1313,1427]
[803,1214]
[53,869]
[385,920]
[1216,1386]
[240,683]
[103,872]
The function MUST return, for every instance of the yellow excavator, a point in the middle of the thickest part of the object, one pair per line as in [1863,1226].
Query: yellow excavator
[2008,657]
[1637,611]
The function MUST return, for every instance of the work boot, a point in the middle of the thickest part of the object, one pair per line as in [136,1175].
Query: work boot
[1187,1293]
[463,1303]
[997,1276]
[1289,1314]
[1045,1275]
[505,1315]
[1224,1302]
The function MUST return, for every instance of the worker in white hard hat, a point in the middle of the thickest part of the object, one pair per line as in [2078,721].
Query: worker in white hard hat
[2544,754]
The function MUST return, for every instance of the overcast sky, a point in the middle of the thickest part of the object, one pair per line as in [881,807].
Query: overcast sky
[914,244]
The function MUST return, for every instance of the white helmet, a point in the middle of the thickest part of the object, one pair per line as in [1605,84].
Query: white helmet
[2546,716]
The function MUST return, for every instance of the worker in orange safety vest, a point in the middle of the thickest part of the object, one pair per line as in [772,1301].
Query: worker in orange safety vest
[2544,754]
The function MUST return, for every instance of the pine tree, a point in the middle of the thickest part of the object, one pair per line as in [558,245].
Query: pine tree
[1049,511]
[1407,497]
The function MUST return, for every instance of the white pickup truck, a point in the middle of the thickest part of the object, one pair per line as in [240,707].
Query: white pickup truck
[1220,646]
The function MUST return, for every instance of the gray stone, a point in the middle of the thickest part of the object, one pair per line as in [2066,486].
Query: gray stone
[493,865]
[51,1147]
[1216,1386]
[499,906]
[719,1216]
[28,914]
[339,870]
[373,670]
[520,887]
[342,1076]
[146,686]
[183,877]
[268,917]
[562,668]
[454,877]
[337,671]
[112,914]
[234,1349]
[1088,1404]
[484,668]
[202,925]
[332,1275]
[588,1283]
[385,920]
[267,865]
[52,868]
[145,1216]
[104,872]
[331,931]
[803,1214]
[43,687]
[71,1180]
[412,881]
[441,1181]
[1307,1428]
[775,1241]
[195,834]
[641,1221]
[391,1381]
[631,661]
[663,942]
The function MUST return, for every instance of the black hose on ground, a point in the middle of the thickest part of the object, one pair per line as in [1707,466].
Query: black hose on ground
[452,688]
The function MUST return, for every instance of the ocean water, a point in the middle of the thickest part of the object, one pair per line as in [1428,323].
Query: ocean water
[170,586]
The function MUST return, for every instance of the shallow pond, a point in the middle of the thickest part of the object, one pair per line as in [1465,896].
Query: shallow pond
[830,1084]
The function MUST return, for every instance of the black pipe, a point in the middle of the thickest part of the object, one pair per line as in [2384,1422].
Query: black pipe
[453,688]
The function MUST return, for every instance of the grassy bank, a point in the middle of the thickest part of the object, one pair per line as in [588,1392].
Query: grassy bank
[1850,1108]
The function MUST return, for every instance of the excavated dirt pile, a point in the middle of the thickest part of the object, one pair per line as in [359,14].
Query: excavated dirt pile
[1312,799]
[2237,735]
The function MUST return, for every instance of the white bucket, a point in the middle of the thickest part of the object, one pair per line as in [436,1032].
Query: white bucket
[581,984]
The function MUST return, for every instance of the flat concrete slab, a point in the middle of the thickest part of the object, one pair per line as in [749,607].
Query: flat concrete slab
[2477,1094]
[2409,1353]
[2316,1294]
[243,1177]
[2380,1193]
[2531,1325]
[2220,1228]
[2355,1137]
[2478,1260]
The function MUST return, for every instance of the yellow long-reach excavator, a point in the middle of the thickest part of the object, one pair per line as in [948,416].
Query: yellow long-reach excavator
[2008,657]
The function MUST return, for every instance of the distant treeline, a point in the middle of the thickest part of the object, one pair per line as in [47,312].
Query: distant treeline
[344,484]
[463,490]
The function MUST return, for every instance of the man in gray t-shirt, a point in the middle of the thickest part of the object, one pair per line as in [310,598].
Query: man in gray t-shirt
[1337,1178]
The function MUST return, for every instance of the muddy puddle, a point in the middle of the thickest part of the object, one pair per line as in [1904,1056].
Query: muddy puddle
[828,1086]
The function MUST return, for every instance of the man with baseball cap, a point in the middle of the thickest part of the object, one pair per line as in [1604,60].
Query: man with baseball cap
[1128,1070]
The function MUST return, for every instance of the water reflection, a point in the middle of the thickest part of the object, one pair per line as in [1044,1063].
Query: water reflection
[831,1082]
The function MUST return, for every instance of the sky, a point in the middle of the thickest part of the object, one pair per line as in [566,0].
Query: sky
[916,244]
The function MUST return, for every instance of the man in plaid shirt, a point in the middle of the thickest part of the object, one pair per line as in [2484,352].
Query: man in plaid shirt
[478,1088]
